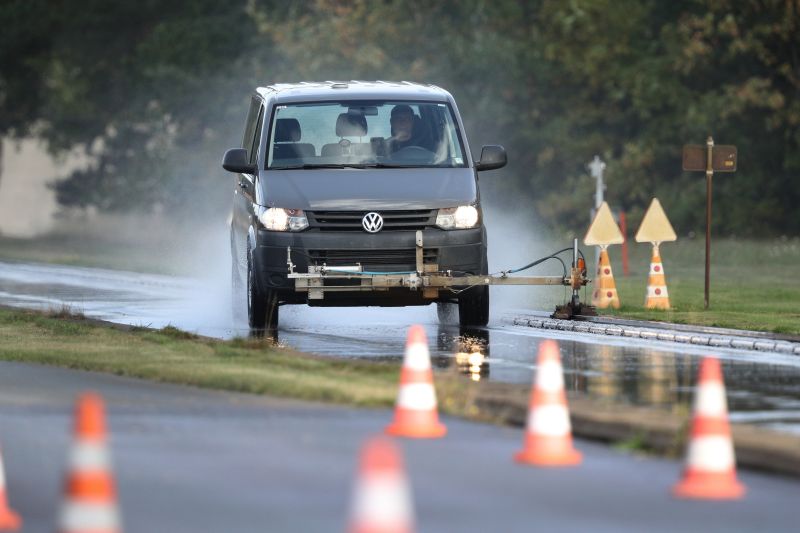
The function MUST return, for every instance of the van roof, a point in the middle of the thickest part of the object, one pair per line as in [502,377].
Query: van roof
[352,90]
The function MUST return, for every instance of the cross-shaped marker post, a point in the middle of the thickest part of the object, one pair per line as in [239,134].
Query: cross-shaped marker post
[596,168]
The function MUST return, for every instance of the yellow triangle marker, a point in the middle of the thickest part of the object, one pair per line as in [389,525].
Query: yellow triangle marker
[603,230]
[655,225]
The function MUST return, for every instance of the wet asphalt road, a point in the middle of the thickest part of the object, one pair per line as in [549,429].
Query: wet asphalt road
[190,460]
[762,388]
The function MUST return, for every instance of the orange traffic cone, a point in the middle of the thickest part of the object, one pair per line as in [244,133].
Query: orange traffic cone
[382,499]
[415,413]
[90,496]
[657,297]
[710,471]
[9,520]
[548,434]
[605,291]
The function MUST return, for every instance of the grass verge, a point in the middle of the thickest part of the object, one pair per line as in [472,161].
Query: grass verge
[172,355]
[753,284]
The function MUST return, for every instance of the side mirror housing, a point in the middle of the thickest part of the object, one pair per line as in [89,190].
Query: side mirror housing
[236,160]
[492,157]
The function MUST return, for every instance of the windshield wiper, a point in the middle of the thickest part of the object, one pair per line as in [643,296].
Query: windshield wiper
[317,165]
[350,165]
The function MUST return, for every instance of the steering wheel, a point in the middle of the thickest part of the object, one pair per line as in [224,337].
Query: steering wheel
[414,153]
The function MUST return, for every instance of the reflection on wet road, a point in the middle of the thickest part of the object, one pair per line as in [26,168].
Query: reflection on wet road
[762,388]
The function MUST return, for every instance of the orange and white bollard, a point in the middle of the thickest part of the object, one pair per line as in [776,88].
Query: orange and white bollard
[416,413]
[90,500]
[710,471]
[605,291]
[657,296]
[548,433]
[382,497]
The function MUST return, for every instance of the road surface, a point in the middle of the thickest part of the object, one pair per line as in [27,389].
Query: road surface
[189,460]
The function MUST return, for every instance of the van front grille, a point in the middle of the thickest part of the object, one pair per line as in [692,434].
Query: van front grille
[405,220]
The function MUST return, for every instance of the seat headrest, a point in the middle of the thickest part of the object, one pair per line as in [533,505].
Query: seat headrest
[351,125]
[287,130]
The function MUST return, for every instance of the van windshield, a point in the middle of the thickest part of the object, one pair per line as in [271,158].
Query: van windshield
[364,135]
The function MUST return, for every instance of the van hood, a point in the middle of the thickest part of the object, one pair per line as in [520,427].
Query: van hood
[365,189]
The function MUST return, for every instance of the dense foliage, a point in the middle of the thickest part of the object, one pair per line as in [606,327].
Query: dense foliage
[157,90]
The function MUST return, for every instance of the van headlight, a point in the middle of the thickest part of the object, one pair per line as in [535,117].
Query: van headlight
[279,219]
[462,217]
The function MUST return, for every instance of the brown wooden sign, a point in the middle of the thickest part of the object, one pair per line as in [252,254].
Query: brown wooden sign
[723,158]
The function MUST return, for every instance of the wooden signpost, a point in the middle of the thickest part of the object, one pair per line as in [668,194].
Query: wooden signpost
[709,158]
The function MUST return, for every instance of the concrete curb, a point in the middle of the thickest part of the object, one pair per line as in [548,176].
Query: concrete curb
[702,337]
[659,431]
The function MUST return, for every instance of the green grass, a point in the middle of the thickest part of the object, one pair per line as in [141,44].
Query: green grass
[171,355]
[754,284]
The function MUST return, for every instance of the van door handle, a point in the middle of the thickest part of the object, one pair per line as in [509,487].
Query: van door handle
[243,185]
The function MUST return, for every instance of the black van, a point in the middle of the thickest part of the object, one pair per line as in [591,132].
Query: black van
[346,173]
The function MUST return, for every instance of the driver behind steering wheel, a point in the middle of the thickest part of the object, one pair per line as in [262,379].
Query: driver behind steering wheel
[404,134]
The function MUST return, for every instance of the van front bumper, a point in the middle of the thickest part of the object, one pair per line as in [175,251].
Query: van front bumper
[460,251]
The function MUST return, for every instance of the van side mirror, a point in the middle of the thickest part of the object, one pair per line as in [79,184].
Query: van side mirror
[492,157]
[236,160]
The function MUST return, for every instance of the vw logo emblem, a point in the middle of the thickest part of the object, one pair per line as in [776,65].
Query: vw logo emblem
[372,222]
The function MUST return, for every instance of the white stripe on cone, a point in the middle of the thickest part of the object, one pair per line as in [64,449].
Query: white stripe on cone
[417,396]
[710,400]
[81,517]
[417,357]
[651,291]
[89,456]
[549,377]
[549,420]
[653,270]
[382,499]
[711,454]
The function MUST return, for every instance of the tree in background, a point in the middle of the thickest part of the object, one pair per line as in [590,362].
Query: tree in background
[145,87]
[158,91]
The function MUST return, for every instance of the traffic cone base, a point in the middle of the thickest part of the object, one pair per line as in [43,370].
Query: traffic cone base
[550,451]
[9,520]
[423,429]
[709,486]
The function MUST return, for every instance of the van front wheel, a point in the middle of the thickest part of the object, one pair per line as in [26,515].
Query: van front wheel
[262,305]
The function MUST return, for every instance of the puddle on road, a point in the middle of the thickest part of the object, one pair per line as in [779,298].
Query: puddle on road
[758,391]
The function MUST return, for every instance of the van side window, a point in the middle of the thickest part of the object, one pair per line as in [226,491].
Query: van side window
[250,124]
[253,148]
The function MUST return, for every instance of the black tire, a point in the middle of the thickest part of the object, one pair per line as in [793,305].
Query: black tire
[262,305]
[473,306]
